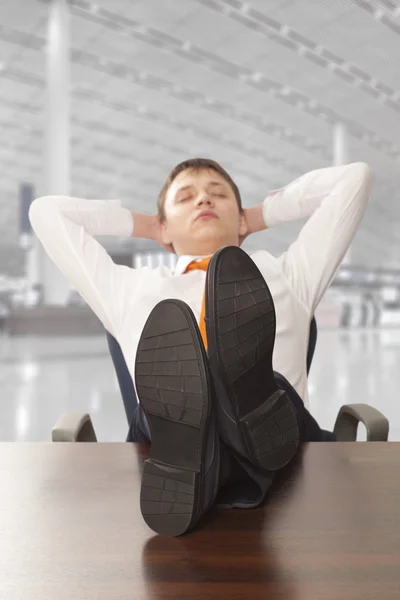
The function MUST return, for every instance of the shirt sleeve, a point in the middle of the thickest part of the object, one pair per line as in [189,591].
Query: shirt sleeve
[65,227]
[334,200]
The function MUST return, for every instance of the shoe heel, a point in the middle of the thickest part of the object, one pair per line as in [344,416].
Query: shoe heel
[167,498]
[271,432]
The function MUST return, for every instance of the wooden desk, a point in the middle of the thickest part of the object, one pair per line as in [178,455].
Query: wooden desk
[71,529]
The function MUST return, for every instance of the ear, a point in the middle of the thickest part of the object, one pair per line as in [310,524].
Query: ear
[243,226]
[165,236]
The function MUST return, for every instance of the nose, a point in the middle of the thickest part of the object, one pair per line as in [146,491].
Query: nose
[204,199]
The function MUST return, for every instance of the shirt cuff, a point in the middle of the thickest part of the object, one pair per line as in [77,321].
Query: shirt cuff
[270,214]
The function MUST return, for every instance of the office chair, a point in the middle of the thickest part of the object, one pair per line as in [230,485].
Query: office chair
[78,427]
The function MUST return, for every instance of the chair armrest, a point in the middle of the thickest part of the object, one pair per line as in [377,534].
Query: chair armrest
[74,427]
[351,415]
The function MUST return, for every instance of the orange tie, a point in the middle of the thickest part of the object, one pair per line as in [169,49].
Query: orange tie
[202,266]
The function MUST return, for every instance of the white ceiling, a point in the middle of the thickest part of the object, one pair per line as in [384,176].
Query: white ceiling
[256,85]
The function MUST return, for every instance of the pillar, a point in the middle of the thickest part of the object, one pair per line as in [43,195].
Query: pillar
[57,137]
[341,157]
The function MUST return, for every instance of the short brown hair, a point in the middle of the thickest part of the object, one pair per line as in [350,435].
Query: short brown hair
[195,164]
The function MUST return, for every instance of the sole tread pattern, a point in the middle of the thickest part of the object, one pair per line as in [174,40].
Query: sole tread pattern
[167,502]
[245,326]
[172,385]
[273,432]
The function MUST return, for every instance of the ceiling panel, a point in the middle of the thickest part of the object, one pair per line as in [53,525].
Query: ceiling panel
[256,85]
[23,14]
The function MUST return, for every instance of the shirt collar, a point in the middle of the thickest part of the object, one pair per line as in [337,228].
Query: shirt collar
[184,262]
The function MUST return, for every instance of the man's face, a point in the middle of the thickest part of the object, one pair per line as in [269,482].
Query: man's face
[201,213]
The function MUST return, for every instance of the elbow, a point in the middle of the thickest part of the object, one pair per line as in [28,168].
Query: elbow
[363,172]
[39,211]
[359,177]
[36,212]
[39,204]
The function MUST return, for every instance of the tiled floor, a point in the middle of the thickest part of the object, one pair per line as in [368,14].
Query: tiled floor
[41,378]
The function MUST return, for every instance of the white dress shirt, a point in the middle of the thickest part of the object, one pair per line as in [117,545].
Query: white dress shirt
[333,198]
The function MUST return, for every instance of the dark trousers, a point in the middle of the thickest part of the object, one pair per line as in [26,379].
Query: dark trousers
[310,431]
[242,484]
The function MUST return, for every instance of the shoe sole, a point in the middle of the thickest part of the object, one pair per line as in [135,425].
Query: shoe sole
[172,382]
[241,326]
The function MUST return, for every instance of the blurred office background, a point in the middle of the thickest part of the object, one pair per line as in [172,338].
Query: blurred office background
[101,99]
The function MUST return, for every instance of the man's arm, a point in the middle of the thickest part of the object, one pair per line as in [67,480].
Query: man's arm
[335,200]
[66,226]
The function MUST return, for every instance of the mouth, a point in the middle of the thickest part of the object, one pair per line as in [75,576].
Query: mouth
[206,215]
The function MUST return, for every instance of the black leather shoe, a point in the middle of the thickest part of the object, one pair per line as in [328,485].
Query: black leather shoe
[174,385]
[255,418]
